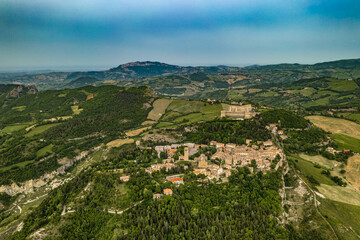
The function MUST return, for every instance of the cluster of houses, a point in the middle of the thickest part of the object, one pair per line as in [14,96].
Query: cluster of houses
[166,191]
[232,154]
[219,165]
[334,151]
[175,179]
[170,150]
[273,128]
[229,157]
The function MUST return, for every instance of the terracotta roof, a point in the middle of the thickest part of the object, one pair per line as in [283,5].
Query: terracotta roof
[167,191]
[176,179]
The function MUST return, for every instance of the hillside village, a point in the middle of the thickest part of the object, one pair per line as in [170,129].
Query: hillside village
[218,166]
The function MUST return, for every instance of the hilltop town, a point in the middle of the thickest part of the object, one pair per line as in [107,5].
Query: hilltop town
[217,160]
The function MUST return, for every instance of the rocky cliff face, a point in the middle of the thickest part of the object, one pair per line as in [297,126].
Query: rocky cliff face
[51,179]
[21,90]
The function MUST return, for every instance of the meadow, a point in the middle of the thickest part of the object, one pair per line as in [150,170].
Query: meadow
[40,129]
[345,142]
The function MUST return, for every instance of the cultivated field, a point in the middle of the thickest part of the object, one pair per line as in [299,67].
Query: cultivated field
[119,142]
[43,151]
[340,194]
[346,142]
[58,118]
[324,162]
[327,187]
[185,107]
[148,122]
[13,128]
[353,171]
[351,116]
[159,109]
[354,116]
[40,129]
[308,169]
[343,85]
[76,109]
[182,111]
[254,90]
[335,125]
[136,132]
[19,108]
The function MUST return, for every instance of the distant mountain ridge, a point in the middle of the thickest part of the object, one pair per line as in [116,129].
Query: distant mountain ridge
[344,63]
[137,73]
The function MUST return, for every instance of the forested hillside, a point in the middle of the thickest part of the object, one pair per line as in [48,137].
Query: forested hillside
[82,163]
[40,129]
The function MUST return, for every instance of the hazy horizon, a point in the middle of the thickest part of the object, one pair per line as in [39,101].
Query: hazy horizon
[81,34]
[101,68]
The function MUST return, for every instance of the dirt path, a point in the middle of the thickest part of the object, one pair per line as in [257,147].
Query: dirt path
[283,195]
[122,211]
[19,208]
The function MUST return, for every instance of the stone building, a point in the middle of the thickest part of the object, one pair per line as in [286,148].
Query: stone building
[186,154]
[239,112]
[202,161]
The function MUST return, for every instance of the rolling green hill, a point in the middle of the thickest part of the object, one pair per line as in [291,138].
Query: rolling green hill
[198,79]
[30,123]
[301,94]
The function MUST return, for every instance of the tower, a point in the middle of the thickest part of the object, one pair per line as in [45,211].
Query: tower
[186,154]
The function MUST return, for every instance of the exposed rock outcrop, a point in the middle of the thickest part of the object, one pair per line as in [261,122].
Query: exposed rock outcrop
[21,90]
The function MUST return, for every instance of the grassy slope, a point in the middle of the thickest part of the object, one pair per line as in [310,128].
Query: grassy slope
[308,169]
[344,218]
[346,142]
[303,93]
[21,164]
[159,109]
[183,111]
[351,116]
[40,129]
[43,151]
[13,128]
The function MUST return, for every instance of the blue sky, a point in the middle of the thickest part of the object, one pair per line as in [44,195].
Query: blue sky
[81,34]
